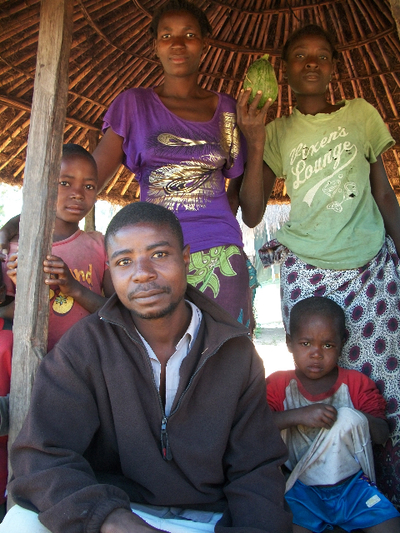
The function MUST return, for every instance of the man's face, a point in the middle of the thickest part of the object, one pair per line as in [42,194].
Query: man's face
[148,269]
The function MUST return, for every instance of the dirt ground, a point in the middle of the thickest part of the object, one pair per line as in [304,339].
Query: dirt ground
[273,336]
[270,344]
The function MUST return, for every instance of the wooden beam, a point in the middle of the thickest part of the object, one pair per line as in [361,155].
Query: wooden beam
[18,103]
[90,218]
[395,5]
[228,46]
[39,202]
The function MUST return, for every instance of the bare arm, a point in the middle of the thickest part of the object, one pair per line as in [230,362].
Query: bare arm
[4,415]
[258,179]
[124,521]
[108,287]
[12,265]
[378,428]
[7,232]
[232,192]
[60,275]
[7,310]
[108,155]
[319,415]
[386,200]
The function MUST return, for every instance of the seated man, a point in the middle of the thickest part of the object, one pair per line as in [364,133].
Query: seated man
[149,415]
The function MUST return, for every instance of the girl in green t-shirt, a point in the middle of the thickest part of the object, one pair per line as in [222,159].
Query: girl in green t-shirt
[343,235]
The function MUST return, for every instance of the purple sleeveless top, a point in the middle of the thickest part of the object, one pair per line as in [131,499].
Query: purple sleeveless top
[182,165]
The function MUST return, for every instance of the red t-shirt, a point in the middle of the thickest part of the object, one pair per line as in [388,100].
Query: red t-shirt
[85,255]
[6,341]
[362,391]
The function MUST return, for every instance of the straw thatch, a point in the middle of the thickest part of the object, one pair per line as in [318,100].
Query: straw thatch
[111,51]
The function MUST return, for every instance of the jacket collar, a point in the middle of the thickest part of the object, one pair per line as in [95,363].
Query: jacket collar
[220,325]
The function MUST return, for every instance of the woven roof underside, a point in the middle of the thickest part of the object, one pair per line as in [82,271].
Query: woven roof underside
[112,51]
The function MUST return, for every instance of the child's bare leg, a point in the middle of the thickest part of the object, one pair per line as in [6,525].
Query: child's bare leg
[300,529]
[389,526]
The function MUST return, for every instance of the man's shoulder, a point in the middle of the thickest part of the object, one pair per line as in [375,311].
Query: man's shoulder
[86,327]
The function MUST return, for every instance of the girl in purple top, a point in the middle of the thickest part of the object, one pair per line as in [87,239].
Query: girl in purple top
[181,142]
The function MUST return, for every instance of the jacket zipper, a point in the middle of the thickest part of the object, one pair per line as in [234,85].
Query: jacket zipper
[165,447]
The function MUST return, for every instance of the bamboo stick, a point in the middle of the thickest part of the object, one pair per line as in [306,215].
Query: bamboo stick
[14,155]
[128,182]
[115,179]
[103,36]
[20,104]
[14,134]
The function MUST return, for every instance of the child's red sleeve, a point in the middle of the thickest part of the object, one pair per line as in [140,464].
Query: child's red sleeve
[365,394]
[276,387]
[6,345]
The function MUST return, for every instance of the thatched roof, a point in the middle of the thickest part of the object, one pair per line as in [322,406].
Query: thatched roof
[111,51]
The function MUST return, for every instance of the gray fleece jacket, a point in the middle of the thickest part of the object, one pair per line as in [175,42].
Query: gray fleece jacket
[96,436]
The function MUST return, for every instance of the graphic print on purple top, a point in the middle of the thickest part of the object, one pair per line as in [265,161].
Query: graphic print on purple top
[181,164]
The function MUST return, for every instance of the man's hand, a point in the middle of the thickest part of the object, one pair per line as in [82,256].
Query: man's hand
[60,275]
[4,244]
[8,232]
[319,415]
[124,521]
[12,264]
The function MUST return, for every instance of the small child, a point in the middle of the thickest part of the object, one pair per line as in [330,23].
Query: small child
[78,276]
[74,292]
[328,416]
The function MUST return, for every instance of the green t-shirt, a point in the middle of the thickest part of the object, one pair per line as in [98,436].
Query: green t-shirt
[325,161]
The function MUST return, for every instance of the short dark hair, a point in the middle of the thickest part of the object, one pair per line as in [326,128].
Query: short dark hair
[76,150]
[317,305]
[144,212]
[309,29]
[180,5]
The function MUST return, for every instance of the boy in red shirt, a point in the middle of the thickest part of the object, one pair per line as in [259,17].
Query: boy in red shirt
[79,280]
[328,416]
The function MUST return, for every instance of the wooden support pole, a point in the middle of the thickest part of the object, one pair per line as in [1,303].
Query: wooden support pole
[90,218]
[39,202]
